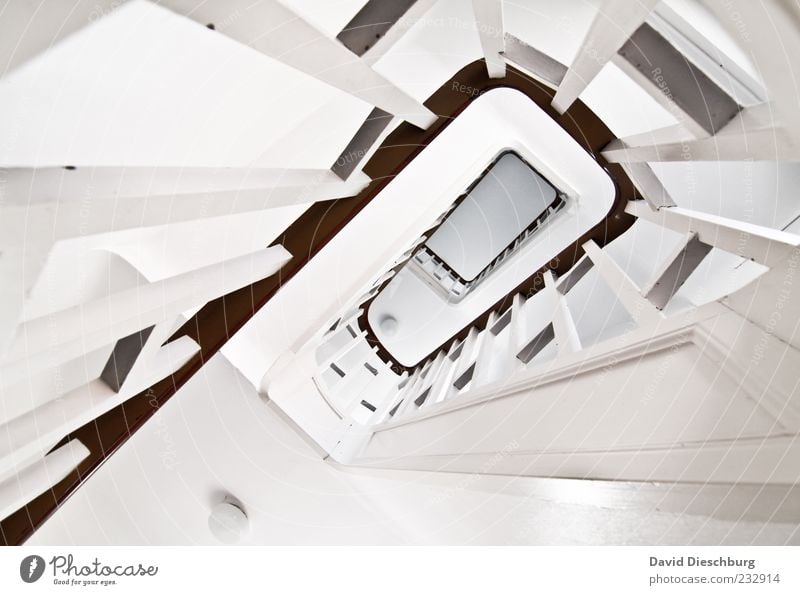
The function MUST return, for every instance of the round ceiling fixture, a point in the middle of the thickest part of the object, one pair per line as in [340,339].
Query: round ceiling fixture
[228,522]
[388,325]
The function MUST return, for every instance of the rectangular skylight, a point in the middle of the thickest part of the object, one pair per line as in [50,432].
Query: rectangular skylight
[505,201]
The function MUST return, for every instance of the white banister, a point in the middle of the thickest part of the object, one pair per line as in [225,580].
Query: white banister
[430,377]
[486,353]
[766,144]
[761,244]
[410,392]
[489,23]
[519,324]
[412,16]
[615,22]
[38,477]
[648,184]
[444,379]
[391,400]
[466,357]
[675,270]
[45,23]
[135,364]
[771,38]
[351,344]
[566,334]
[538,64]
[28,185]
[290,39]
[641,310]
[81,328]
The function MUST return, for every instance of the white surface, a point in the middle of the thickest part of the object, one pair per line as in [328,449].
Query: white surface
[37,478]
[502,204]
[227,522]
[91,325]
[299,44]
[505,119]
[650,405]
[215,436]
[614,23]
[143,85]
[489,24]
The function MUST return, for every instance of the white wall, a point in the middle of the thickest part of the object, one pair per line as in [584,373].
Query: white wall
[702,397]
[217,436]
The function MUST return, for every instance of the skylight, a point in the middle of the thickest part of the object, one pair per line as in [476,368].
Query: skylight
[506,205]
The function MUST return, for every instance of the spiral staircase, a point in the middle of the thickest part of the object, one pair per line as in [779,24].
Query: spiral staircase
[168,208]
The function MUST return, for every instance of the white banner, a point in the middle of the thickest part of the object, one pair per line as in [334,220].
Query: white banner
[406,571]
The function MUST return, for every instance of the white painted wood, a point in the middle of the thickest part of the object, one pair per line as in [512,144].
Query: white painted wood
[31,185]
[754,118]
[564,329]
[641,310]
[410,392]
[156,360]
[772,301]
[707,54]
[485,354]
[489,22]
[757,362]
[20,266]
[368,295]
[396,32]
[539,65]
[439,363]
[686,122]
[20,391]
[384,278]
[29,28]
[33,480]
[648,184]
[566,282]
[658,136]
[31,435]
[768,31]
[290,386]
[768,144]
[348,316]
[443,381]
[763,461]
[390,400]
[518,330]
[673,272]
[466,358]
[297,43]
[43,223]
[71,332]
[346,394]
[616,20]
[630,346]
[344,350]
[28,230]
[758,132]
[761,244]
[600,429]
